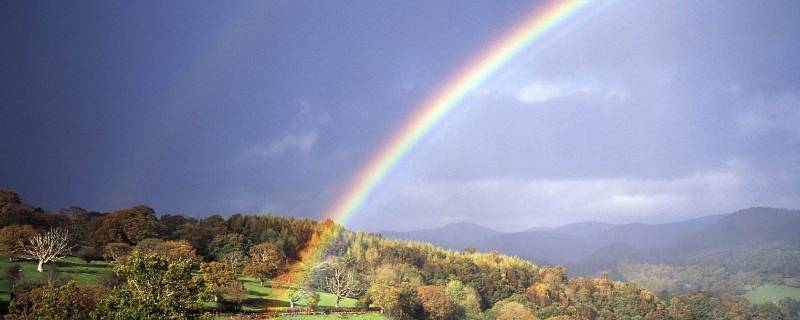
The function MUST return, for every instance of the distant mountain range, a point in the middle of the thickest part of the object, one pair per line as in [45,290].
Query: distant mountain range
[589,247]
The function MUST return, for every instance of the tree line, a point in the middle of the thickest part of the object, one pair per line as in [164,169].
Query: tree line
[170,266]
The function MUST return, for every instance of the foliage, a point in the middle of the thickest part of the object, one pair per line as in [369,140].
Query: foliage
[10,237]
[231,248]
[171,249]
[116,251]
[510,310]
[265,261]
[220,279]
[69,301]
[312,299]
[467,301]
[156,288]
[200,233]
[435,302]
[127,226]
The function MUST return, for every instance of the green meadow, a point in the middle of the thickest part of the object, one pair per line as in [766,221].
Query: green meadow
[772,293]
[71,268]
[257,299]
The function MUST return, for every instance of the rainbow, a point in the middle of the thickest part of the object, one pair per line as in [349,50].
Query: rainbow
[434,109]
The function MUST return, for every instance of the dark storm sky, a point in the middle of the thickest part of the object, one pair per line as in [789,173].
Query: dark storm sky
[648,111]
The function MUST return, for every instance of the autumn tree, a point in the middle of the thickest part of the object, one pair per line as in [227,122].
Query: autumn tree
[116,251]
[386,296]
[220,279]
[12,210]
[510,310]
[264,261]
[127,226]
[10,239]
[50,246]
[171,224]
[393,289]
[435,302]
[9,196]
[171,249]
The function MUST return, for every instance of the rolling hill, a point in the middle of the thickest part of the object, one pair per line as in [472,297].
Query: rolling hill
[591,247]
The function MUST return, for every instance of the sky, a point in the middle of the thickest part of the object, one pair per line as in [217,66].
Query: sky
[633,111]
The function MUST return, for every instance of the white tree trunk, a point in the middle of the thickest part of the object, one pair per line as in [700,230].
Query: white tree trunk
[48,247]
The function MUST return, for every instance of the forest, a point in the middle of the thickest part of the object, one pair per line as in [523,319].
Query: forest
[173,266]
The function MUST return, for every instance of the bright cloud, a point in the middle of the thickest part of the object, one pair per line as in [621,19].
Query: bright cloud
[543,91]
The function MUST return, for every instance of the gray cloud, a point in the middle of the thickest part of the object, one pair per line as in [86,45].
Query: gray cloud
[516,204]
[302,142]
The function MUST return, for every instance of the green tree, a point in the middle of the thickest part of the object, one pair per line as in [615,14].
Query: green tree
[466,299]
[156,288]
[230,248]
[312,299]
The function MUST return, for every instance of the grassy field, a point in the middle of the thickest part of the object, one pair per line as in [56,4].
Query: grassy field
[72,268]
[772,293]
[257,299]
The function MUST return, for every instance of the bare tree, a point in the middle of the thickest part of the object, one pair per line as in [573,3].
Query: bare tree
[53,245]
[341,281]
